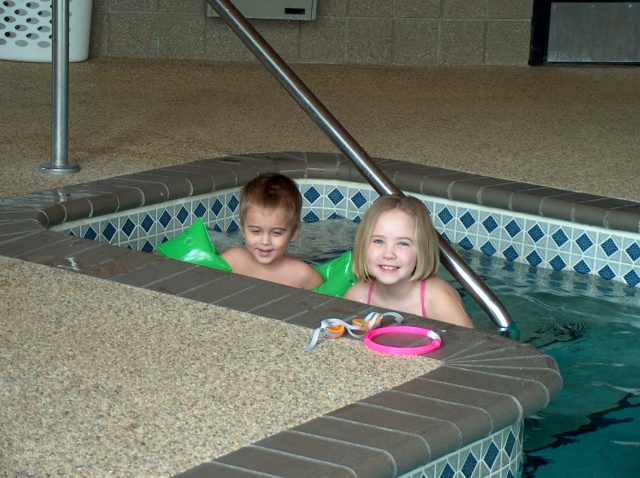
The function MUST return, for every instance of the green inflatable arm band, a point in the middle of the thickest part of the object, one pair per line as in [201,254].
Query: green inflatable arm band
[338,276]
[194,245]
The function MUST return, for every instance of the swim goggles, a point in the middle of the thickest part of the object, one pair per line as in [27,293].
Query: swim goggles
[358,328]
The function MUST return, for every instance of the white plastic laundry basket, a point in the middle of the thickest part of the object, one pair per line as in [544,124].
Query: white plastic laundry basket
[26,32]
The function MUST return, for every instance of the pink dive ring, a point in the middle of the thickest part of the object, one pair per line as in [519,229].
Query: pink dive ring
[403,329]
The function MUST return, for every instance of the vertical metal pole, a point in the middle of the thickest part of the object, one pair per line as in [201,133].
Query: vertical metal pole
[458,268]
[60,92]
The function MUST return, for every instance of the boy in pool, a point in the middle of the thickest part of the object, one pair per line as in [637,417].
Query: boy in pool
[396,260]
[270,209]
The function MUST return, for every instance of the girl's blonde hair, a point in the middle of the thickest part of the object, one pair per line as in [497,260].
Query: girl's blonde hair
[272,191]
[426,236]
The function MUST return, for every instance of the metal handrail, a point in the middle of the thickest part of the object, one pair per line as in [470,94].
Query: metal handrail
[60,95]
[459,269]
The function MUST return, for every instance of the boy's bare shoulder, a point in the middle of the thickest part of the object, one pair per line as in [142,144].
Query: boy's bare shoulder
[308,275]
[238,258]
[235,252]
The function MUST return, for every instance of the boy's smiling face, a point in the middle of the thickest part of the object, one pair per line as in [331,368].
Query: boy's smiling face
[267,233]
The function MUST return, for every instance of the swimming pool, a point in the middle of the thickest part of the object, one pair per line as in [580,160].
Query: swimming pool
[539,298]
[502,374]
[589,325]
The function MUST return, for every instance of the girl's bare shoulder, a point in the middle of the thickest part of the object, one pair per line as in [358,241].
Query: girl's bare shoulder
[358,292]
[438,284]
[444,302]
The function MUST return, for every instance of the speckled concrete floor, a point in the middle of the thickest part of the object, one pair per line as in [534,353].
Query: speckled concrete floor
[575,128]
[89,411]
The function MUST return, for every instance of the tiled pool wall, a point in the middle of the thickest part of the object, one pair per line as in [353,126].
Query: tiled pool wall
[533,240]
[500,455]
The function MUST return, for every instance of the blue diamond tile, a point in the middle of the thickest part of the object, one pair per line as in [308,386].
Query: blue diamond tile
[490,224]
[536,233]
[632,278]
[445,216]
[128,227]
[147,247]
[165,219]
[511,441]
[466,244]
[491,455]
[534,259]
[358,199]
[200,210]
[233,226]
[467,220]
[609,247]
[510,254]
[634,251]
[216,207]
[310,217]
[312,195]
[335,197]
[109,231]
[217,228]
[147,223]
[182,215]
[488,249]
[469,465]
[557,263]
[335,215]
[607,273]
[513,229]
[584,242]
[447,472]
[90,233]
[582,268]
[446,237]
[233,203]
[560,237]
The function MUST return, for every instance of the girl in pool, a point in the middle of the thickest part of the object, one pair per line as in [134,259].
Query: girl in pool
[396,260]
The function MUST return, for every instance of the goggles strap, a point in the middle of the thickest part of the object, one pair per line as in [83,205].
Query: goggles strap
[334,328]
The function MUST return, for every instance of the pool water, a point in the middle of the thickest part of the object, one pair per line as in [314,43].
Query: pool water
[590,326]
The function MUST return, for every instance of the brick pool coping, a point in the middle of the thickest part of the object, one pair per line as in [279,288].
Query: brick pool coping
[484,384]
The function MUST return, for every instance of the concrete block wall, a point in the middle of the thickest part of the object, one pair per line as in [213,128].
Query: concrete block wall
[377,32]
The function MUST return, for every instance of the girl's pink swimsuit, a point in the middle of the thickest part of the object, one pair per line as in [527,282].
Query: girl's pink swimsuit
[423,285]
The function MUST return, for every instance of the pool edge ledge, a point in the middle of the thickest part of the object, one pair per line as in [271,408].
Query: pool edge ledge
[476,364]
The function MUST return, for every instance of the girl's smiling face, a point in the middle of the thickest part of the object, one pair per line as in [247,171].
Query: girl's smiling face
[267,234]
[391,253]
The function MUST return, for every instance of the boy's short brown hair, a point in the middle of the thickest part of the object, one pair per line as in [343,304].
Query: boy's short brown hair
[426,236]
[272,191]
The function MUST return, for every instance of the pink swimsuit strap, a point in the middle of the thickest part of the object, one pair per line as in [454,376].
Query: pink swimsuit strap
[423,287]
[371,282]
